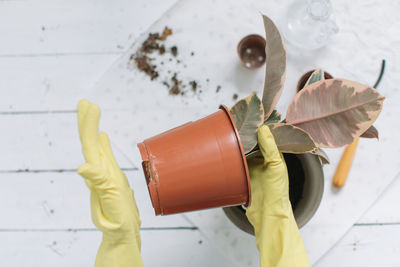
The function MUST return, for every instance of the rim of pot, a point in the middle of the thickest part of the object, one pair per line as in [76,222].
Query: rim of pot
[306,207]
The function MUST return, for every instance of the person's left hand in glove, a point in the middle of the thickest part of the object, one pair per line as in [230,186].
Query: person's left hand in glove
[278,237]
[113,206]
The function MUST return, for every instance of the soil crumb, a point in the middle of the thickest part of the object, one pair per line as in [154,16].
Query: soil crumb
[160,62]
[149,46]
[174,51]
[167,32]
[194,85]
[142,62]
[175,90]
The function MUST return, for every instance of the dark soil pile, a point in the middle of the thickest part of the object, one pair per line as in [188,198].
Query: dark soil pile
[150,45]
[143,64]
[145,61]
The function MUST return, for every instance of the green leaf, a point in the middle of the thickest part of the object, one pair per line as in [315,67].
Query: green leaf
[322,156]
[291,139]
[316,76]
[334,112]
[254,153]
[274,117]
[275,66]
[248,115]
[371,132]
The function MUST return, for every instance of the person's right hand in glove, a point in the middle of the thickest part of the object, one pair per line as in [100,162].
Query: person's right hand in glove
[113,205]
[277,235]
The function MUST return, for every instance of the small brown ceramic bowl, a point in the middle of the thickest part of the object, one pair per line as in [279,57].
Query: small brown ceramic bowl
[304,79]
[251,51]
[306,186]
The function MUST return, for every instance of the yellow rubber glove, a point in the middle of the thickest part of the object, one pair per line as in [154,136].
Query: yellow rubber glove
[113,205]
[277,235]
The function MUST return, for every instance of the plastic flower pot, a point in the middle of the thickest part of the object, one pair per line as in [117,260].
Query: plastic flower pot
[306,186]
[196,166]
[302,81]
[251,51]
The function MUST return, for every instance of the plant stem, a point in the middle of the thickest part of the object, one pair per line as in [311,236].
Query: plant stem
[380,74]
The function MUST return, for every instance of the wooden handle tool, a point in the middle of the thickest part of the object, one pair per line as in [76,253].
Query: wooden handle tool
[342,171]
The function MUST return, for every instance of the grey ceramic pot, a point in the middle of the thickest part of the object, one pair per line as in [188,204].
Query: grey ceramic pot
[306,185]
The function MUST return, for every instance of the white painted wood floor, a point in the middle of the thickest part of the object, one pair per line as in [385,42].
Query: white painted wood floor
[51,54]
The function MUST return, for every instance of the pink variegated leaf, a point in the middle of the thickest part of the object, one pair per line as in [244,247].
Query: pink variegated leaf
[322,156]
[274,117]
[248,115]
[291,139]
[371,132]
[316,76]
[275,67]
[335,112]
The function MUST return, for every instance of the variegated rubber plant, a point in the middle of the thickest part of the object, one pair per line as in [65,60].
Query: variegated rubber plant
[324,114]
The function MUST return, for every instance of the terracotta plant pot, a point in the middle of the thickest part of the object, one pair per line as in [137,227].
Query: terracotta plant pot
[302,81]
[251,51]
[306,185]
[198,165]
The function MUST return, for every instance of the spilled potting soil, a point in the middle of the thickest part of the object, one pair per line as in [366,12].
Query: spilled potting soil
[145,61]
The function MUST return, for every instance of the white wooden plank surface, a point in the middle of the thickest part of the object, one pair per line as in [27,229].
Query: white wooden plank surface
[46,141]
[384,211]
[61,201]
[74,27]
[78,248]
[366,246]
[48,82]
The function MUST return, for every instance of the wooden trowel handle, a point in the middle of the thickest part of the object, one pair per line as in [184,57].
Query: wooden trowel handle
[344,166]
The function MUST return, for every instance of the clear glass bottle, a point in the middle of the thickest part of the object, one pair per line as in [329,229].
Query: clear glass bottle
[309,24]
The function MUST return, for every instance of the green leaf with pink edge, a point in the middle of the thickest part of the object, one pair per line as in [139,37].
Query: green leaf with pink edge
[316,76]
[290,139]
[322,156]
[371,132]
[334,112]
[275,66]
[248,115]
[274,117]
